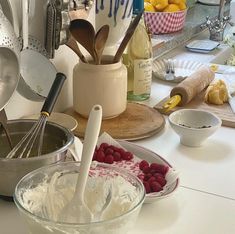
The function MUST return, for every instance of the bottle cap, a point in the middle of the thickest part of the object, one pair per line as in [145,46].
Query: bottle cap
[138,6]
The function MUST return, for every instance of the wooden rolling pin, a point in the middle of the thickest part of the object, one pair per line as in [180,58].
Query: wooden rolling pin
[185,91]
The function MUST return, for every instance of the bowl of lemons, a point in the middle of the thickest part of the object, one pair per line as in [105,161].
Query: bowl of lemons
[165,16]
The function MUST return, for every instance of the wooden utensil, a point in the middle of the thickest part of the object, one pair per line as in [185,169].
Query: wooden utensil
[185,91]
[100,40]
[84,33]
[130,31]
[72,44]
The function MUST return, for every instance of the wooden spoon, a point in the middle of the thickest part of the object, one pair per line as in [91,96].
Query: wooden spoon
[84,33]
[72,44]
[130,31]
[100,40]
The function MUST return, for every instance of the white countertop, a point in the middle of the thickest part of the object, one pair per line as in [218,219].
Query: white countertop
[205,200]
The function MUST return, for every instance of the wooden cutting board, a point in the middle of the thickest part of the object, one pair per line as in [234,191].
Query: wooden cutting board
[223,111]
[137,122]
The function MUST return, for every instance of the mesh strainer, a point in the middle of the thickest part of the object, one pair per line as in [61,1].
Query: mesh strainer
[9,64]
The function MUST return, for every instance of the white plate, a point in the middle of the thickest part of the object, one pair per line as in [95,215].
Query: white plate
[151,157]
[62,119]
[183,69]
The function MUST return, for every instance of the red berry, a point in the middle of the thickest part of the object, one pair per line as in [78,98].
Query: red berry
[161,180]
[155,186]
[127,156]
[108,151]
[147,187]
[117,156]
[146,169]
[151,179]
[164,169]
[109,159]
[100,156]
[142,164]
[147,176]
[104,145]
[120,150]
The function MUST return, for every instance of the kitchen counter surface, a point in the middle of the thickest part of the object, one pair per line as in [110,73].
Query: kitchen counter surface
[205,200]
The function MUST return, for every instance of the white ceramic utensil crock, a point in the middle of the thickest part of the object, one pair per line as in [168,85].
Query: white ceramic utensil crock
[104,84]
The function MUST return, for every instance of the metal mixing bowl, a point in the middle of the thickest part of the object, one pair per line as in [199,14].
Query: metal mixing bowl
[57,139]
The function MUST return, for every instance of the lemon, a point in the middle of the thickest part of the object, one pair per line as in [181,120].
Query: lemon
[147,0]
[160,4]
[149,7]
[172,8]
[182,6]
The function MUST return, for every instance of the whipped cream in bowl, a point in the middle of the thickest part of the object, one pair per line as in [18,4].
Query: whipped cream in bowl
[113,196]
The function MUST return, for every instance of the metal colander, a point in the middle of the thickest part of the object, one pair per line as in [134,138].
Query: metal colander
[8,38]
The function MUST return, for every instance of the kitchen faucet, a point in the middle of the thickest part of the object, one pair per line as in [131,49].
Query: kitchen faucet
[217,26]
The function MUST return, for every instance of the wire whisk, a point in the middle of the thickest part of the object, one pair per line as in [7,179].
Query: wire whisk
[31,143]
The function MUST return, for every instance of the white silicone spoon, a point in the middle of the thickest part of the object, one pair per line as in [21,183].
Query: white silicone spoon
[76,211]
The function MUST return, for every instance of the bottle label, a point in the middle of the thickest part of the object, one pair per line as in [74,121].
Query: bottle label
[142,76]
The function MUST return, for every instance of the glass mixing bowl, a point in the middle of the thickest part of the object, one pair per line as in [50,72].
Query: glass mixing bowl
[41,195]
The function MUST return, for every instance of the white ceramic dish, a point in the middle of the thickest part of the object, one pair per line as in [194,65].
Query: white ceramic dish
[194,126]
[151,157]
[183,69]
[62,119]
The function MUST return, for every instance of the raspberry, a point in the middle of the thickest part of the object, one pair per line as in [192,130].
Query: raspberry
[109,159]
[108,151]
[146,169]
[159,168]
[117,156]
[120,150]
[147,176]
[151,179]
[155,167]
[100,156]
[104,145]
[155,186]
[161,180]
[142,164]
[127,156]
[164,169]
[147,187]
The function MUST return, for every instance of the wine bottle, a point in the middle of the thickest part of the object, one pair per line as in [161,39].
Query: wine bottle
[138,59]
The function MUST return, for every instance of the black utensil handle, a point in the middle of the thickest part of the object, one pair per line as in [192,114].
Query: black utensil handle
[53,93]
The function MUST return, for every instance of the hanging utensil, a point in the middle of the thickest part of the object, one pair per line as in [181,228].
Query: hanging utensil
[30,142]
[84,33]
[76,211]
[100,40]
[36,70]
[9,63]
[72,44]
[130,31]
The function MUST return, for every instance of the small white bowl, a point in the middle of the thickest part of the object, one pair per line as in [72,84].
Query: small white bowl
[194,126]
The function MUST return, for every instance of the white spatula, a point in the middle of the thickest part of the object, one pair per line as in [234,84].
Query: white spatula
[76,211]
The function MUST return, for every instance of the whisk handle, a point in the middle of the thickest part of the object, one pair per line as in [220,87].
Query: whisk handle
[54,93]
